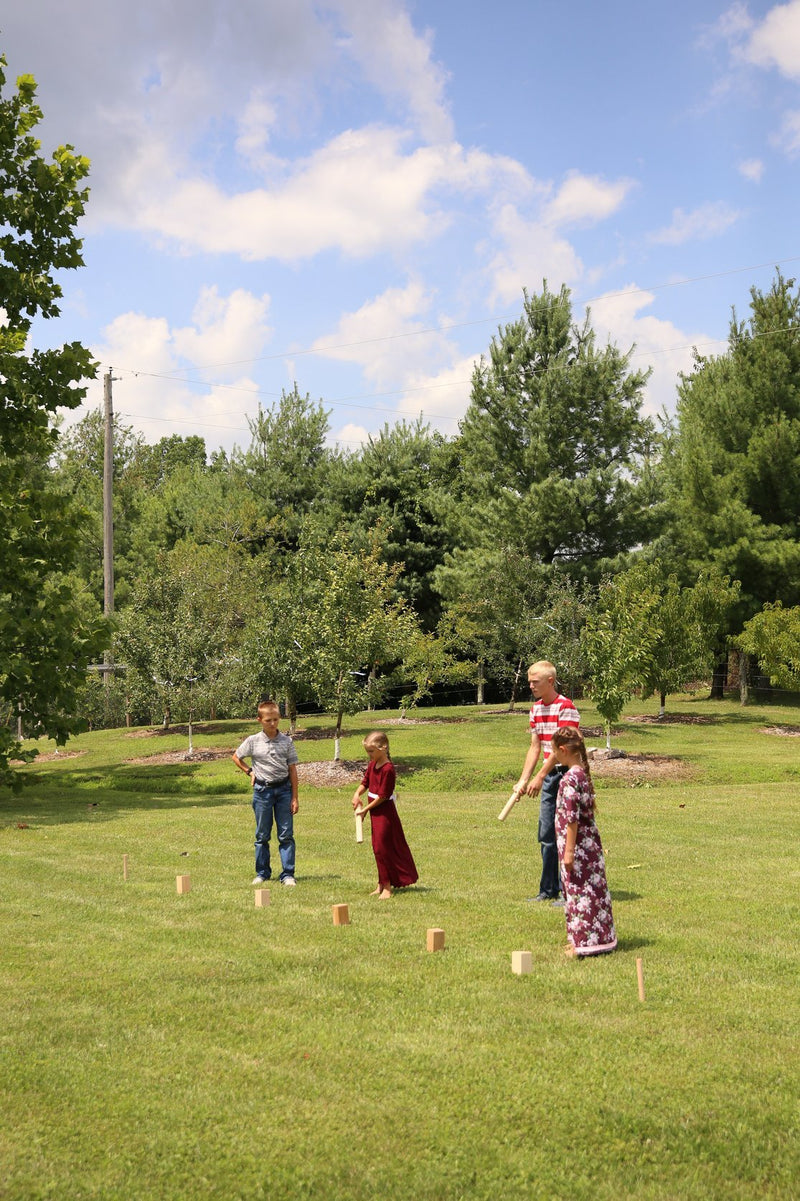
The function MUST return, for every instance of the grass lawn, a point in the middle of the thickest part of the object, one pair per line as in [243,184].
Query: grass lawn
[164,1046]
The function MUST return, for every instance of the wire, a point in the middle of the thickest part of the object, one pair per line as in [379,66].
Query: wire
[447,327]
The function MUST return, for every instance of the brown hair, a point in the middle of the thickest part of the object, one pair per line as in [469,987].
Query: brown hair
[377,738]
[570,738]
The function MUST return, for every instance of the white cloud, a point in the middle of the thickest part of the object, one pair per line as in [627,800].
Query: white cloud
[350,436]
[397,61]
[388,336]
[752,169]
[707,221]
[585,199]
[658,344]
[146,356]
[441,399]
[787,137]
[776,41]
[530,251]
[226,330]
[360,194]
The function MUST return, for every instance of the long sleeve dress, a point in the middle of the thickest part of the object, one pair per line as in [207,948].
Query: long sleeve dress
[395,862]
[587,900]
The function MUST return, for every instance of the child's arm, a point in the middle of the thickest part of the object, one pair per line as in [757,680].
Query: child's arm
[357,795]
[379,800]
[569,845]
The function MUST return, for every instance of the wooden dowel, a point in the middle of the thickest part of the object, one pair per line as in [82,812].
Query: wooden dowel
[640,978]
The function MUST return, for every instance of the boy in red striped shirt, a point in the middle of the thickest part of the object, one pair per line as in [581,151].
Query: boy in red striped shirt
[550,712]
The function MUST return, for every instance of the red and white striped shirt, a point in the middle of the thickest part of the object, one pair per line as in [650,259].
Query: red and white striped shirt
[546,719]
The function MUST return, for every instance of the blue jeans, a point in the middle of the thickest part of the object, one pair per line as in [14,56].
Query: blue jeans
[269,799]
[551,880]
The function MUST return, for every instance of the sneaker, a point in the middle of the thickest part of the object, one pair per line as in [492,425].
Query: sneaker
[557,904]
[543,896]
[289,881]
[259,880]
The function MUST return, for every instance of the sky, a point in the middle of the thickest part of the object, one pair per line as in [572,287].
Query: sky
[351,195]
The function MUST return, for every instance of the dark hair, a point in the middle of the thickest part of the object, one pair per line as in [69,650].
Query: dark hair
[570,738]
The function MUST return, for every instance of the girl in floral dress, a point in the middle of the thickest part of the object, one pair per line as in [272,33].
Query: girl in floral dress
[587,907]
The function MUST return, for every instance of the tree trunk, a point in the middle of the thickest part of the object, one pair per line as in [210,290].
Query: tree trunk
[481,682]
[291,712]
[719,679]
[337,741]
[744,677]
[662,710]
[608,735]
[512,700]
[167,716]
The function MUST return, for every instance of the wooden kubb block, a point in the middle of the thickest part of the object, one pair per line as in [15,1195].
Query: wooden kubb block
[521,962]
[341,915]
[436,940]
[262,897]
[183,884]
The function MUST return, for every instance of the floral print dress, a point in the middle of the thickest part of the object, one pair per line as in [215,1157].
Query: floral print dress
[587,901]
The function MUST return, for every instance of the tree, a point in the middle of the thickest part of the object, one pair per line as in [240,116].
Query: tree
[773,637]
[551,445]
[619,640]
[179,638]
[734,466]
[392,489]
[333,626]
[46,638]
[689,624]
[286,464]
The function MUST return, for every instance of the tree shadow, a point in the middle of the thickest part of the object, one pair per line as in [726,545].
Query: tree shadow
[619,894]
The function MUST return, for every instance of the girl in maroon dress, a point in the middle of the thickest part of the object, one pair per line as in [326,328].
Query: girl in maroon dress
[396,867]
[587,901]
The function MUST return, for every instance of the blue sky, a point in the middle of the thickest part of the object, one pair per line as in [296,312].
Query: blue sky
[352,194]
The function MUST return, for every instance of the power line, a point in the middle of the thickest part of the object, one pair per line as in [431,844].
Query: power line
[447,327]
[350,403]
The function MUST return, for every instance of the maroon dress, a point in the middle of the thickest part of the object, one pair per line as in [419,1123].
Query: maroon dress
[395,862]
[587,901]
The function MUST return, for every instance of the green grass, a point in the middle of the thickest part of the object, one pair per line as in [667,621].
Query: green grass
[157,1046]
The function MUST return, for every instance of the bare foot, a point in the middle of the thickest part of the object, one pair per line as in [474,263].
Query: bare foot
[376,892]
[570,951]
[385,895]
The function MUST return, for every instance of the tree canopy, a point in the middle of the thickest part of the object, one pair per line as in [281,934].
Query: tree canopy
[47,636]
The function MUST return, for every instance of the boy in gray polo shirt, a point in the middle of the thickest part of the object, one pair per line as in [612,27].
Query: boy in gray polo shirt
[274,776]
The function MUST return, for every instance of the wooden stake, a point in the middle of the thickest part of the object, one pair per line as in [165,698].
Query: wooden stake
[435,939]
[124,867]
[509,805]
[521,962]
[359,828]
[640,978]
[183,884]
[262,897]
[341,915]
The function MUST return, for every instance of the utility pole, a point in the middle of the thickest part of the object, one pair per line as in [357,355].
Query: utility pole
[108,495]
[108,530]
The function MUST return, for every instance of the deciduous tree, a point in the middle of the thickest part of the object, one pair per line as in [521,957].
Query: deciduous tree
[46,638]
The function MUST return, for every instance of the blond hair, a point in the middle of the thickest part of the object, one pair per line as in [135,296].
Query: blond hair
[545,667]
[377,738]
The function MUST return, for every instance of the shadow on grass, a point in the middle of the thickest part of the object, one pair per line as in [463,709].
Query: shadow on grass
[630,943]
[99,795]
[619,894]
